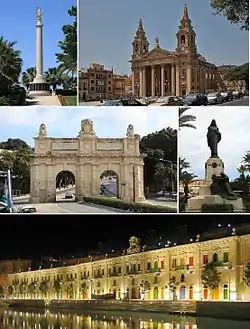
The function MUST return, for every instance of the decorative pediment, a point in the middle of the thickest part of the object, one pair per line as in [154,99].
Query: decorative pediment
[156,53]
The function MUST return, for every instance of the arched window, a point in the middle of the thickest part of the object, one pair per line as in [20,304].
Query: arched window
[133,282]
[205,292]
[182,277]
[215,257]
[225,257]
[225,292]
[183,40]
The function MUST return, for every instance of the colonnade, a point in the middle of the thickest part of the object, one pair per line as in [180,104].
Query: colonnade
[171,79]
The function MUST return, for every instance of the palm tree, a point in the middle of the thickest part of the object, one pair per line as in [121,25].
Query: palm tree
[53,76]
[28,76]
[10,65]
[32,288]
[183,164]
[186,119]
[243,181]
[68,56]
[44,288]
[57,285]
[246,161]
[185,179]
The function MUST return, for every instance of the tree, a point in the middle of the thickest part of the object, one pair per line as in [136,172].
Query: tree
[83,288]
[173,284]
[240,73]
[161,150]
[14,144]
[10,65]
[10,289]
[44,288]
[186,119]
[68,57]
[237,12]
[144,287]
[1,290]
[22,288]
[70,290]
[242,182]
[57,285]
[246,275]
[54,77]
[246,161]
[32,288]
[210,277]
[186,179]
[28,76]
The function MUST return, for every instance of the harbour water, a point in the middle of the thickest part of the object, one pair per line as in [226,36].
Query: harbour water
[27,319]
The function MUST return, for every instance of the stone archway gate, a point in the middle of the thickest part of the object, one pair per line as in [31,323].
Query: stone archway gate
[87,157]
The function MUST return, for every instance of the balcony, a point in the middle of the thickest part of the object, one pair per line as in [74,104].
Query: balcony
[219,263]
[112,274]
[98,276]
[182,267]
[154,270]
[133,272]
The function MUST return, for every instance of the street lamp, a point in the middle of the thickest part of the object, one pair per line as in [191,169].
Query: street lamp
[229,279]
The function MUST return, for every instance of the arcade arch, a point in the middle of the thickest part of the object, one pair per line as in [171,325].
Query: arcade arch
[87,157]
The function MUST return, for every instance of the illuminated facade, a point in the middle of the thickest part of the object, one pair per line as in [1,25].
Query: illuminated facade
[160,72]
[123,275]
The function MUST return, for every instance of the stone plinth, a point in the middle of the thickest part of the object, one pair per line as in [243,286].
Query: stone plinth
[195,203]
[213,166]
[39,87]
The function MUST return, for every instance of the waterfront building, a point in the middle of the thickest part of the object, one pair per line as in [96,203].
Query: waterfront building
[125,275]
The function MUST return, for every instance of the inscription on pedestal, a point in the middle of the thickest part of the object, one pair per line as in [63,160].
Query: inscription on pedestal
[64,146]
[109,146]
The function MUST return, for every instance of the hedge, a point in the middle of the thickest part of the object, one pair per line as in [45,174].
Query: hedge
[217,207]
[66,92]
[129,206]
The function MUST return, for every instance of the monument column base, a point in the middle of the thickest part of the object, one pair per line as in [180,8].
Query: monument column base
[195,203]
[39,87]
[213,166]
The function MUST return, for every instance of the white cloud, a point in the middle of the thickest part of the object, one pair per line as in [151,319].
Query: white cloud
[234,125]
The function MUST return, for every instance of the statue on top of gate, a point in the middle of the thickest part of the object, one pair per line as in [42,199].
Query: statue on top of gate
[86,128]
[42,130]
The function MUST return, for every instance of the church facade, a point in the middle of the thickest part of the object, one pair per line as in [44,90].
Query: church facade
[159,72]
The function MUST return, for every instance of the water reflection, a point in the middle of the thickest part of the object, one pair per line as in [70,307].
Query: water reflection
[10,319]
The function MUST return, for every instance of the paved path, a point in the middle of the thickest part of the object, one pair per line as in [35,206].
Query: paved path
[163,202]
[43,101]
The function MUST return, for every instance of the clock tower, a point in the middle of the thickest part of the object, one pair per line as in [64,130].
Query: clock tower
[186,35]
[140,43]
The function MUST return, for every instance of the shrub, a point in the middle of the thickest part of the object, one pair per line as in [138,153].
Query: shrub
[217,207]
[129,206]
[66,92]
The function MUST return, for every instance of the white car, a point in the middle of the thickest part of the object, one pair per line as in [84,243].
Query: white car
[27,209]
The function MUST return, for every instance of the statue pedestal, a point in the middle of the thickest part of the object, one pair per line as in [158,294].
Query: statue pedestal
[213,166]
[195,203]
[39,87]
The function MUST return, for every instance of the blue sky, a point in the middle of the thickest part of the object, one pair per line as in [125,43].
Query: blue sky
[107,29]
[18,23]
[24,122]
[233,123]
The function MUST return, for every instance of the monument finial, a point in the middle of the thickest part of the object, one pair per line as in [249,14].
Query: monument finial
[39,14]
[157,42]
[185,12]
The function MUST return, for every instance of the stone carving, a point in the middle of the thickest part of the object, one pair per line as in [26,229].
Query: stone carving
[134,245]
[130,131]
[221,186]
[64,146]
[39,14]
[213,138]
[42,130]
[109,146]
[86,127]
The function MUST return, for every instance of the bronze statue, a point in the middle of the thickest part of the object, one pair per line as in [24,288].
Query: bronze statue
[213,138]
[221,186]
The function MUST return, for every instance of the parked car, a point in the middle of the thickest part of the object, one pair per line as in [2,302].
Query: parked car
[69,195]
[238,94]
[123,102]
[215,98]
[227,96]
[173,101]
[195,100]
[27,209]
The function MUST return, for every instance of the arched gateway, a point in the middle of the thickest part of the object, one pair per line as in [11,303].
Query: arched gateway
[86,157]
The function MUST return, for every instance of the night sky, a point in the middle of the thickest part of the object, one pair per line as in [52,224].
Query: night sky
[27,236]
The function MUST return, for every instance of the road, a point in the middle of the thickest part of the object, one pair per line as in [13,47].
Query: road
[237,102]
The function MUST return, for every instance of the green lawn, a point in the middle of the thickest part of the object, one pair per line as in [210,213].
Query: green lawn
[71,100]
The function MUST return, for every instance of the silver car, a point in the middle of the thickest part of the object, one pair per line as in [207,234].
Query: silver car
[215,98]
